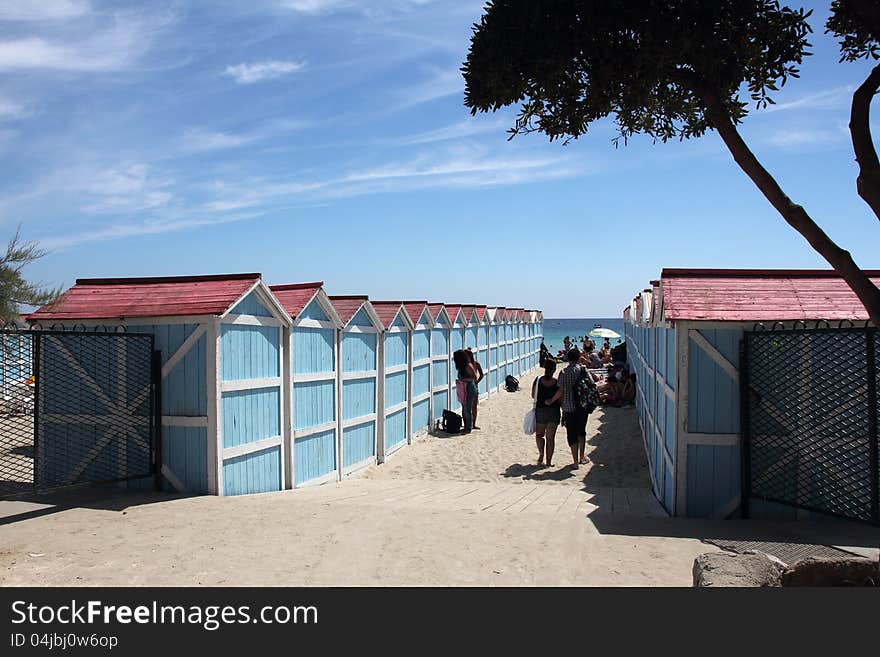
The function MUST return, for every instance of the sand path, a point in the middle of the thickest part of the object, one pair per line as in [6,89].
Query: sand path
[461,510]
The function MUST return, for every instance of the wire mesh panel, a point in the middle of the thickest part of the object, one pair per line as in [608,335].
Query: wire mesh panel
[17,385]
[83,411]
[810,420]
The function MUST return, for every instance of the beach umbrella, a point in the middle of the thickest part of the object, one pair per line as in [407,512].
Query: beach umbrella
[604,333]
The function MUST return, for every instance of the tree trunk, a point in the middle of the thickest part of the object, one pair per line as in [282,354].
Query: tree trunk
[868,181]
[794,214]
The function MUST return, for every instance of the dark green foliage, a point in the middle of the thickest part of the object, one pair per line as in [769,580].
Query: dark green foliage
[571,62]
[15,291]
[856,23]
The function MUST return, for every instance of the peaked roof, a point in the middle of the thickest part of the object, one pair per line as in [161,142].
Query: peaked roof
[435,309]
[120,298]
[453,312]
[481,313]
[348,306]
[295,297]
[468,312]
[387,311]
[759,295]
[415,309]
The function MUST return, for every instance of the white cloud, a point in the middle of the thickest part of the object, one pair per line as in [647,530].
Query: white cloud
[114,48]
[11,109]
[199,140]
[828,99]
[440,85]
[131,188]
[39,10]
[365,6]
[805,137]
[259,71]
[461,130]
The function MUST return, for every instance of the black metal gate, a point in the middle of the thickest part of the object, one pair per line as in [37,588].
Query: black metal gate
[809,420]
[76,407]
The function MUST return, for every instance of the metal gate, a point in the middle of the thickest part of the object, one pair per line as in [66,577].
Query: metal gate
[76,407]
[809,420]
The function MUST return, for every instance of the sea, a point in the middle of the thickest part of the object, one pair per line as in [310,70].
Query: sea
[556,329]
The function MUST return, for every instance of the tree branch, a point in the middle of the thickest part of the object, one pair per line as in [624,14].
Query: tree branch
[868,181]
[794,214]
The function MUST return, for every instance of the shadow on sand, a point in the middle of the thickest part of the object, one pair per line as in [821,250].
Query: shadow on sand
[618,461]
[103,498]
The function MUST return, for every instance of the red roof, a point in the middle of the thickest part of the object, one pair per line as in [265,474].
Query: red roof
[435,309]
[453,311]
[415,309]
[481,313]
[296,296]
[119,298]
[747,295]
[468,312]
[347,307]
[387,311]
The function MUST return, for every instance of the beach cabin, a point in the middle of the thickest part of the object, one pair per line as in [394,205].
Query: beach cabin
[222,352]
[493,316]
[456,342]
[394,376]
[361,359]
[800,442]
[441,329]
[482,350]
[510,367]
[420,367]
[312,434]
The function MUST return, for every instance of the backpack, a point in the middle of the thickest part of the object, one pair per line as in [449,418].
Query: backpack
[586,392]
[451,422]
[511,383]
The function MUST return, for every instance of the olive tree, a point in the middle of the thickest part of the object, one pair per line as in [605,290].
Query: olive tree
[670,69]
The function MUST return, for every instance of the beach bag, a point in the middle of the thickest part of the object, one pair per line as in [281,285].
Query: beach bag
[586,392]
[451,422]
[461,391]
[511,383]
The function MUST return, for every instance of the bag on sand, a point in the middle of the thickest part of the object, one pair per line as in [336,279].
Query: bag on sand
[511,383]
[451,422]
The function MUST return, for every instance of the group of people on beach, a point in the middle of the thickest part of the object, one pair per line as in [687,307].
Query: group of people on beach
[556,398]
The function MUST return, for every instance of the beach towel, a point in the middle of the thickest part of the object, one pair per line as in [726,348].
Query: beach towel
[461,390]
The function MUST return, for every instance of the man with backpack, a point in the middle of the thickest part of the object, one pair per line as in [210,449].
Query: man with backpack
[577,404]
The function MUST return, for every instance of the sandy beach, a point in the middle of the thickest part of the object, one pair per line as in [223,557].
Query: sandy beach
[446,511]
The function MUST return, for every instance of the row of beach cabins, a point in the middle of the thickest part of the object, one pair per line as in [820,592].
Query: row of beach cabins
[273,387]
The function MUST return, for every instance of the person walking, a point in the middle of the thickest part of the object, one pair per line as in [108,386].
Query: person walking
[575,417]
[467,375]
[546,417]
[480,376]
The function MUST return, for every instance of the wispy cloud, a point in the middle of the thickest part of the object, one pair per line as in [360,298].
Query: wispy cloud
[822,100]
[41,10]
[461,130]
[11,109]
[112,48]
[440,84]
[365,6]
[461,168]
[198,140]
[806,137]
[259,71]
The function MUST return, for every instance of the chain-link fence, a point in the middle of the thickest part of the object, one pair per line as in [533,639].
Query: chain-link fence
[77,407]
[809,420]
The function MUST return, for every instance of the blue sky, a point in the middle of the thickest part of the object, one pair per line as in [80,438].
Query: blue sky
[327,140]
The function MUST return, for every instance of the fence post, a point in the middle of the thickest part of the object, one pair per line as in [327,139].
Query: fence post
[156,420]
[870,341]
[745,434]
[36,348]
